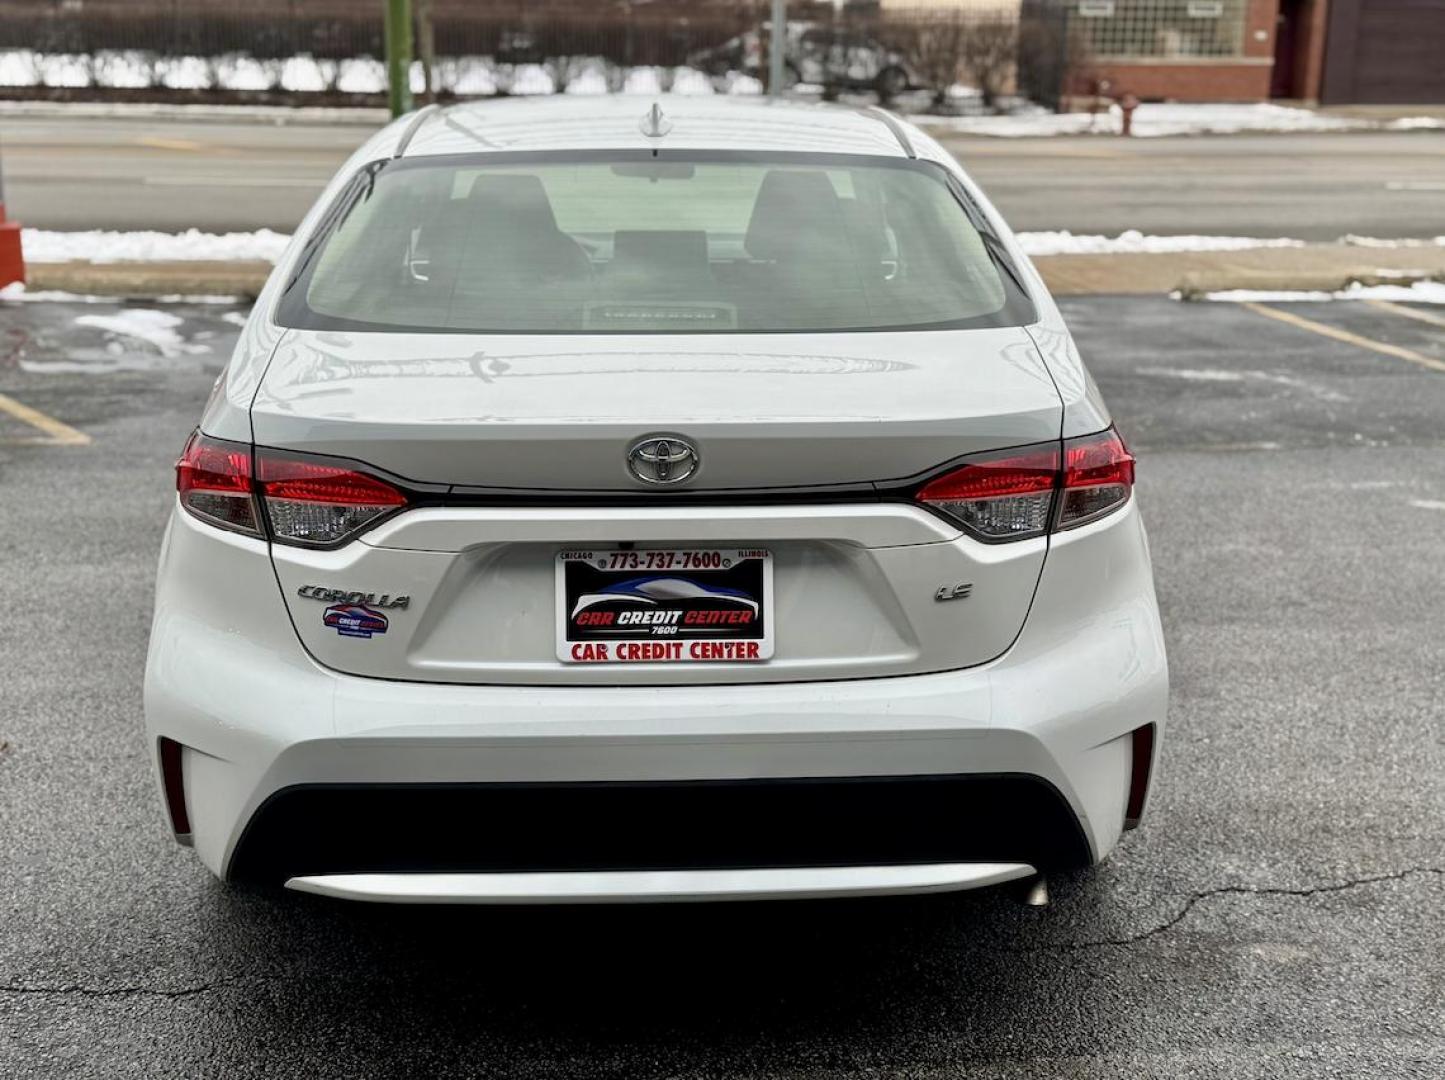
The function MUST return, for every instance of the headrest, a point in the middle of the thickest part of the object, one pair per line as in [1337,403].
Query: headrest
[519,200]
[795,211]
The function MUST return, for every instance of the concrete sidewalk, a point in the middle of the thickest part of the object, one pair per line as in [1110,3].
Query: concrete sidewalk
[1322,266]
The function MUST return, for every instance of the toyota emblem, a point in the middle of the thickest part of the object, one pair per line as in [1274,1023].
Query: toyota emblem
[663,459]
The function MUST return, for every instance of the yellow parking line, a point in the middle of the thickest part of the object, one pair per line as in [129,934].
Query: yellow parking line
[156,142]
[60,434]
[1408,312]
[1323,329]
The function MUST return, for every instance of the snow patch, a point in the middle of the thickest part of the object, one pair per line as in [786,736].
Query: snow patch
[99,246]
[1155,120]
[1416,123]
[1132,241]
[1195,374]
[1376,242]
[155,328]
[1419,292]
[264,245]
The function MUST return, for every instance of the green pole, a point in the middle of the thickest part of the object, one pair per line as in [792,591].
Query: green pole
[776,46]
[398,55]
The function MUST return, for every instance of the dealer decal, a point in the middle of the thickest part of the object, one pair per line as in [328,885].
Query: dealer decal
[664,606]
[355,620]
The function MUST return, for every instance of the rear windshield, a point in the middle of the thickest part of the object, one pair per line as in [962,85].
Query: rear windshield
[642,244]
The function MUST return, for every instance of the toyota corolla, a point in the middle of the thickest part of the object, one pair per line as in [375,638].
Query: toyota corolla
[619,500]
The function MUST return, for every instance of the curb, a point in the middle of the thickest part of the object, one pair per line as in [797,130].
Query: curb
[150,281]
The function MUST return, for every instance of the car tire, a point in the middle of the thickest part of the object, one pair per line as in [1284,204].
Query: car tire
[891,82]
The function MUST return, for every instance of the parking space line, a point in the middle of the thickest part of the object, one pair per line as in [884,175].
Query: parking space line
[155,142]
[1347,336]
[1407,312]
[183,180]
[60,434]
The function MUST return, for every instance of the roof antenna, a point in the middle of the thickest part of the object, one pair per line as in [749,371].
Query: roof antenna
[654,125]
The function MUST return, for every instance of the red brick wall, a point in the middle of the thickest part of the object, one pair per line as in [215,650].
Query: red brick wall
[1170,81]
[1223,79]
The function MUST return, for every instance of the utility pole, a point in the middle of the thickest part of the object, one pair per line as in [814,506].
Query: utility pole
[426,48]
[775,48]
[398,55]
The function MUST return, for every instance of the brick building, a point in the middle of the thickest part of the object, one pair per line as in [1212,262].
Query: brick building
[1327,51]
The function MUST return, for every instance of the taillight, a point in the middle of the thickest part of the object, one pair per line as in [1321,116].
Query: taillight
[307,501]
[1026,492]
[316,503]
[1098,476]
[999,497]
[213,479]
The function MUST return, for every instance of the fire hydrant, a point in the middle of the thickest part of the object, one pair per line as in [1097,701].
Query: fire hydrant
[12,261]
[1127,104]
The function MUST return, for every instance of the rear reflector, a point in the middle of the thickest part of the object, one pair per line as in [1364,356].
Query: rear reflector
[173,781]
[319,503]
[1142,762]
[213,479]
[1028,491]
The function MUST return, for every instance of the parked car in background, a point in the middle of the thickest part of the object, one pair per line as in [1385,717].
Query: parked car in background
[837,58]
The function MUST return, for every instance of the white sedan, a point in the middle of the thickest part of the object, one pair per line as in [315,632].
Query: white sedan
[628,499]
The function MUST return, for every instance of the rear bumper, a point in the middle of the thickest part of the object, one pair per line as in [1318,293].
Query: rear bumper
[658,826]
[598,887]
[256,716]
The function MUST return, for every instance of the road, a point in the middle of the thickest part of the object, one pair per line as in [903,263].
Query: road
[1278,915]
[136,174]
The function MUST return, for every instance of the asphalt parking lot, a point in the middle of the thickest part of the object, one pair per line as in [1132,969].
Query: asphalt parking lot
[1278,915]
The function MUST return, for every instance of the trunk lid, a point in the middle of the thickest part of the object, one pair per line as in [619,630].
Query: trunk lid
[854,582]
[558,413]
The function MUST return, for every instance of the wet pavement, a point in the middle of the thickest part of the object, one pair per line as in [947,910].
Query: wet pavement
[1278,914]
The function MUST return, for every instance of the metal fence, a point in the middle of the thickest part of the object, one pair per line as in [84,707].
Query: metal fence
[481,45]
[652,33]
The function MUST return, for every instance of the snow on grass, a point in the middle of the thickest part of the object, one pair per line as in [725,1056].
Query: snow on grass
[477,75]
[44,246]
[16,292]
[97,246]
[1375,242]
[1416,123]
[1417,292]
[1131,241]
[1153,120]
[367,116]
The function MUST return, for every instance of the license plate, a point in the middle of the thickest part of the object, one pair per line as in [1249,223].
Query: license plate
[664,606]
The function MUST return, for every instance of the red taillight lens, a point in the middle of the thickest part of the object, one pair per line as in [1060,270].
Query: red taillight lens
[307,501]
[1098,476]
[1012,495]
[318,504]
[213,479]
[1002,497]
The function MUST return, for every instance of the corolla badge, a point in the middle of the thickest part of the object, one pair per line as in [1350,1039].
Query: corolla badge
[663,459]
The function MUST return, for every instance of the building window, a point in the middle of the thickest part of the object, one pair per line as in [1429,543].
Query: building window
[1125,29]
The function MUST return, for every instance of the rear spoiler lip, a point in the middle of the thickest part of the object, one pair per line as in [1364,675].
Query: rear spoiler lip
[421,493]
